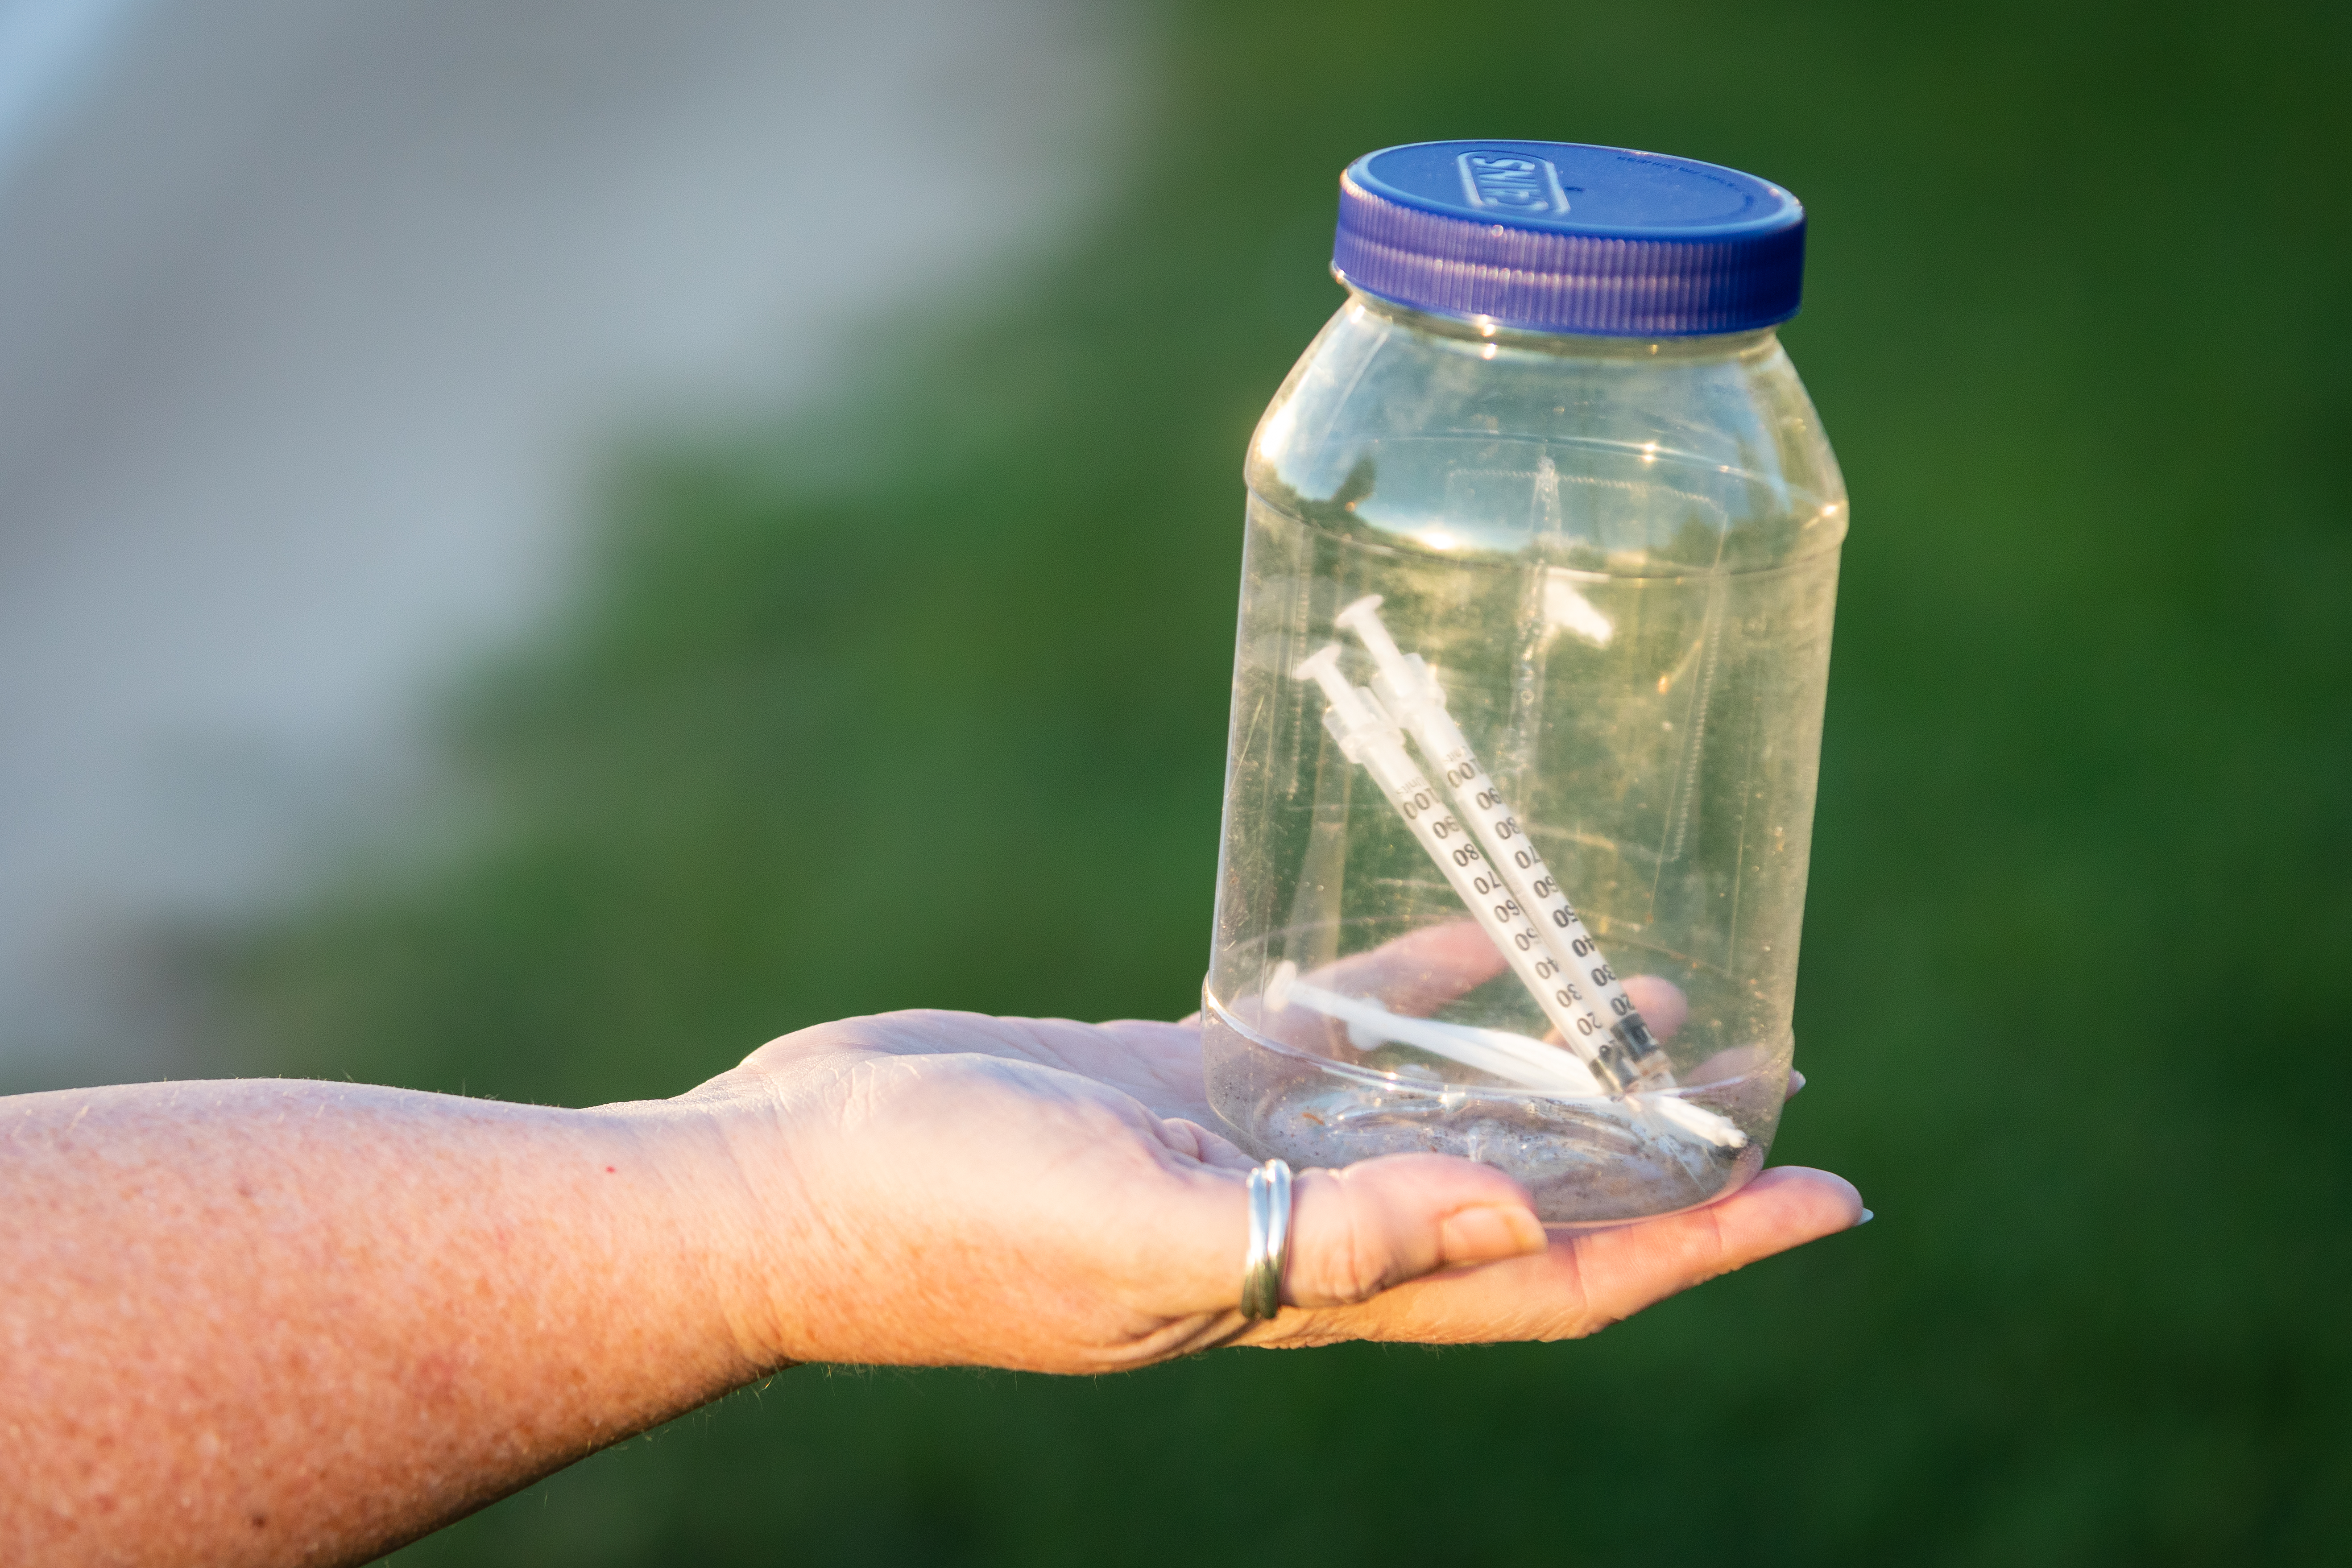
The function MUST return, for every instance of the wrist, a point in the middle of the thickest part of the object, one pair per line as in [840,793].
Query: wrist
[725,1202]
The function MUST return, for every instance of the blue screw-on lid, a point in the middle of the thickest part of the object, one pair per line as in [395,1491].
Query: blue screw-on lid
[1564,237]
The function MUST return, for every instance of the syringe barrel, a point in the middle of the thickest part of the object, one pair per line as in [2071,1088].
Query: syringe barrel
[1380,748]
[1623,1051]
[1630,1055]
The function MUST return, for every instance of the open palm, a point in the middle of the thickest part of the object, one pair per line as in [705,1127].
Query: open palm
[953,1188]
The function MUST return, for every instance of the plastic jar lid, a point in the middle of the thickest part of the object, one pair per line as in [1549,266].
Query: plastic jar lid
[1565,237]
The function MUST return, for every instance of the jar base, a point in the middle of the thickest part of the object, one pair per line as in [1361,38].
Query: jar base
[1582,1165]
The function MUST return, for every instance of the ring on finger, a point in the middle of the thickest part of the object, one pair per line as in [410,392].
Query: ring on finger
[1269,1240]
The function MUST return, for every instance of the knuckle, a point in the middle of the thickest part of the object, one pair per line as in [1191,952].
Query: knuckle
[1358,1268]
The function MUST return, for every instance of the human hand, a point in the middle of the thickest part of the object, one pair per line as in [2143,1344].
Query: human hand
[947,1188]
[268,1321]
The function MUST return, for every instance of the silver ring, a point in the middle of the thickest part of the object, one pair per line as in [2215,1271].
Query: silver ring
[1269,1240]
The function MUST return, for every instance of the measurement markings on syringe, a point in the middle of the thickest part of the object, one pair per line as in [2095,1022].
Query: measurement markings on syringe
[1469,782]
[1367,735]
[1487,883]
[1411,693]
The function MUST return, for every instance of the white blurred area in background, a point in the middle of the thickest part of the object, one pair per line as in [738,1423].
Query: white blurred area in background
[315,318]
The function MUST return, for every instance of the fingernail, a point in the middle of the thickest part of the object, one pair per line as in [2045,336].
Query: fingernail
[1866,1217]
[1796,1083]
[1483,1235]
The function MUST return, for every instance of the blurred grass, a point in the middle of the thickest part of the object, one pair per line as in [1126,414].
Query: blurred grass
[2076,970]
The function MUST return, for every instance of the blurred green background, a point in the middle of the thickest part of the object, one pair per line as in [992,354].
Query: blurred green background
[2076,969]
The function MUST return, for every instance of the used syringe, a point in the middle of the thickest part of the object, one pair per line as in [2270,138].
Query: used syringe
[1512,1057]
[1606,1028]
[1369,736]
[1515,1059]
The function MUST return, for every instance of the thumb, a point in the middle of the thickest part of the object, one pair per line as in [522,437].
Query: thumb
[1355,1231]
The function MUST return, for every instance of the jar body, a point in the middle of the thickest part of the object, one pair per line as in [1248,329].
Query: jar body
[1616,558]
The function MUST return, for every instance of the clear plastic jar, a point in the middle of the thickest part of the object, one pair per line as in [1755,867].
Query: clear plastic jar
[1534,638]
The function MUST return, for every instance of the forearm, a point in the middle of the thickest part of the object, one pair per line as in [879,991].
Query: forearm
[275,1321]
[300,1322]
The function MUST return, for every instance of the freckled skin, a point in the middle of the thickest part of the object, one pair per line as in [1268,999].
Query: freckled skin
[280,1322]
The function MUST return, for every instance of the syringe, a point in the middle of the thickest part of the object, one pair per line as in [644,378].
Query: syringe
[1515,1059]
[1512,1057]
[1606,1029]
[1369,736]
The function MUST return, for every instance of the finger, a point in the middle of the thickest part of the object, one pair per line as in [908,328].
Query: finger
[1359,1231]
[1418,972]
[1663,1005]
[1628,1268]
[1194,1142]
[1796,1082]
[1162,1065]
[1584,1282]
[1730,1065]
[1412,975]
[1158,1064]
